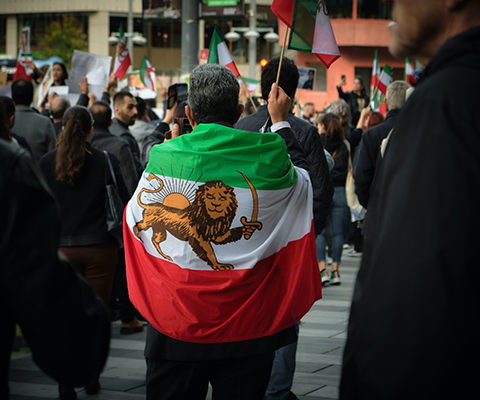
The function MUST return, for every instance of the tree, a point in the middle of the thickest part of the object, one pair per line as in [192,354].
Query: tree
[62,38]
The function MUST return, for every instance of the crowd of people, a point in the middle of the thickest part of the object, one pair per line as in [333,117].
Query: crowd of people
[306,187]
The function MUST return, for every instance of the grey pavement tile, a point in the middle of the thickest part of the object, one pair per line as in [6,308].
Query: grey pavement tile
[317,348]
[25,363]
[18,375]
[119,352]
[302,389]
[332,370]
[34,390]
[127,344]
[329,392]
[316,379]
[44,379]
[310,367]
[138,390]
[121,385]
[24,398]
[135,354]
[319,358]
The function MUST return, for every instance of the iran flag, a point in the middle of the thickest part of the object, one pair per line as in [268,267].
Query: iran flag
[219,238]
[218,53]
[409,76]
[385,80]
[122,59]
[311,29]
[375,74]
[22,67]
[147,74]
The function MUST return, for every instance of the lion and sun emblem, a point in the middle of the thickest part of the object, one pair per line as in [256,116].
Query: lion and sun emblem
[200,217]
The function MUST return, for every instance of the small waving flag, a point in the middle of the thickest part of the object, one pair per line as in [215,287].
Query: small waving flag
[147,74]
[311,30]
[23,70]
[385,80]
[122,60]
[218,53]
[409,76]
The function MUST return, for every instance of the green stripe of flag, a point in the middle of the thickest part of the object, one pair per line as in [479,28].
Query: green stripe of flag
[215,152]
[303,25]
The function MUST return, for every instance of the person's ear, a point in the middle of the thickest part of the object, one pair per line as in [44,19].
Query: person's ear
[189,114]
[241,108]
[12,121]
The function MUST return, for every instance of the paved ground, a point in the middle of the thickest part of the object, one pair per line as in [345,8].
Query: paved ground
[321,343]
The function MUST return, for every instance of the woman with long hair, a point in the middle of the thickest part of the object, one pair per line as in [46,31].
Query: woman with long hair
[77,175]
[357,99]
[59,72]
[332,135]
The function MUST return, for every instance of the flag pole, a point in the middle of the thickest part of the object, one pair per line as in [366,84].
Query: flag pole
[248,93]
[281,55]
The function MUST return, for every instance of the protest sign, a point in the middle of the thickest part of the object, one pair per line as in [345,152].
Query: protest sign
[43,88]
[307,78]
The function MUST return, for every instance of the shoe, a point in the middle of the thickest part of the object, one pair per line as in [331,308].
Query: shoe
[335,278]
[92,387]
[347,246]
[324,275]
[66,392]
[354,253]
[135,326]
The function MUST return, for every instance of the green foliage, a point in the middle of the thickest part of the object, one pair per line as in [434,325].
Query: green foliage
[62,38]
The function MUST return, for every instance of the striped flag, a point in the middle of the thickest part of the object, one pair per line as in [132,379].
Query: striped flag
[122,59]
[408,76]
[194,270]
[311,29]
[250,83]
[22,67]
[385,80]
[375,74]
[218,53]
[147,74]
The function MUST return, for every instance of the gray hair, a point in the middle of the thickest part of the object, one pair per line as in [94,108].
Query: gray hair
[213,94]
[396,94]
[59,112]
[340,107]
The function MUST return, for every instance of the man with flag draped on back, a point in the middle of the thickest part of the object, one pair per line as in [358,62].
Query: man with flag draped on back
[220,246]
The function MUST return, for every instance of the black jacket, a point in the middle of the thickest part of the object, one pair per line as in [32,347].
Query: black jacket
[67,328]
[102,139]
[367,158]
[339,151]
[119,129]
[352,100]
[309,139]
[82,206]
[418,284]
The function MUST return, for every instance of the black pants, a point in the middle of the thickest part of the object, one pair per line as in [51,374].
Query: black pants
[243,378]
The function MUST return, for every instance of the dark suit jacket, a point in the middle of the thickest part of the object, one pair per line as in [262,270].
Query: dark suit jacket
[118,128]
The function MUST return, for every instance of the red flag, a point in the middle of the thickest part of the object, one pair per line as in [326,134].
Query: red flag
[283,9]
[22,62]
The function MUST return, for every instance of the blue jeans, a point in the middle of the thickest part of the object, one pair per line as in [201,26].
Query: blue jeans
[281,378]
[337,218]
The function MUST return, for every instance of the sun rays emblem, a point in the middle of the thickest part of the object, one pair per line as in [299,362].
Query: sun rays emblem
[198,215]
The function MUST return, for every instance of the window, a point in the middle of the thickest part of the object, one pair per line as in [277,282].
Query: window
[339,8]
[374,9]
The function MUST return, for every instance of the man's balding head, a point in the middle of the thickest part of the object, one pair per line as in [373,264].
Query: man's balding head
[58,106]
[102,115]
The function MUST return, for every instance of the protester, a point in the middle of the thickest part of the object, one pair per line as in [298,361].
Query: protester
[307,135]
[125,108]
[8,107]
[411,333]
[333,139]
[58,107]
[370,146]
[357,99]
[77,174]
[309,112]
[59,73]
[220,338]
[35,128]
[141,128]
[375,118]
[65,325]
[102,139]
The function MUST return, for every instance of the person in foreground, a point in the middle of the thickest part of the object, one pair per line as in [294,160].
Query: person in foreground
[66,327]
[411,333]
[221,222]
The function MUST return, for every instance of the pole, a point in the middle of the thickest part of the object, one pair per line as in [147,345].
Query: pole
[281,55]
[248,94]
[189,35]
[252,42]
[130,34]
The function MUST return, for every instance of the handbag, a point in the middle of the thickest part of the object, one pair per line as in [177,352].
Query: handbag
[113,204]
[352,199]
